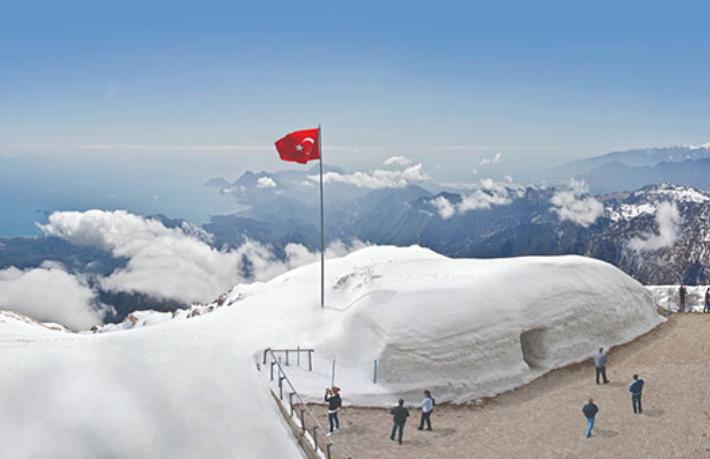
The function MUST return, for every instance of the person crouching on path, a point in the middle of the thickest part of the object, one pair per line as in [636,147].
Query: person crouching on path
[590,411]
[636,387]
[332,396]
[600,359]
[399,416]
[427,408]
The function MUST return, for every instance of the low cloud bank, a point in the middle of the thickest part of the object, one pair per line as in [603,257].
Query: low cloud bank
[175,263]
[668,220]
[575,204]
[402,172]
[50,294]
[488,193]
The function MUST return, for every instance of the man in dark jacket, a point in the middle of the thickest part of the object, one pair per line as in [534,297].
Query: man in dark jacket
[707,300]
[636,387]
[399,416]
[332,396]
[590,410]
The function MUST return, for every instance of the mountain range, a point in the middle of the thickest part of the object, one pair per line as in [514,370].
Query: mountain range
[633,169]
[655,232]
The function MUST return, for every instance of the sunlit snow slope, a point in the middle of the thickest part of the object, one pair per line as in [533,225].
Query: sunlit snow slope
[189,388]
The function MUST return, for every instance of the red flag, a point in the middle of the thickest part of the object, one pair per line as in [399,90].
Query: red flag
[299,146]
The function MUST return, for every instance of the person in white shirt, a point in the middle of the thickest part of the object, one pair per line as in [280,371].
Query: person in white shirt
[427,407]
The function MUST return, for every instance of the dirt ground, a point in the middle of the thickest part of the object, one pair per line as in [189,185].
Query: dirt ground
[543,419]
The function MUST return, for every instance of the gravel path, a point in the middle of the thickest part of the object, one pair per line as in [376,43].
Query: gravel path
[543,419]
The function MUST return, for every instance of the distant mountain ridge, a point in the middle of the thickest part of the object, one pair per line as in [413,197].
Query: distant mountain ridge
[527,225]
[641,157]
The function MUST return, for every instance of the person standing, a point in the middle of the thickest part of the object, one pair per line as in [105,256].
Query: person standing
[590,411]
[636,387]
[332,396]
[600,360]
[427,408]
[707,300]
[681,294]
[399,417]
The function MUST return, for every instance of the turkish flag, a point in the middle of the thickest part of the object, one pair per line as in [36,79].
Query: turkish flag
[299,146]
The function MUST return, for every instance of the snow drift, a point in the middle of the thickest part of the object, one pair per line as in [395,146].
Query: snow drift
[187,387]
[463,328]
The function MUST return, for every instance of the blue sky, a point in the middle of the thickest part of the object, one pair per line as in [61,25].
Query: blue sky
[448,82]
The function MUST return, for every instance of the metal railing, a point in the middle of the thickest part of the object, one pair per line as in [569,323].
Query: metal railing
[332,450]
[288,352]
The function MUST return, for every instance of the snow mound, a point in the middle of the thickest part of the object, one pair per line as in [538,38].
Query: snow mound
[472,328]
[15,323]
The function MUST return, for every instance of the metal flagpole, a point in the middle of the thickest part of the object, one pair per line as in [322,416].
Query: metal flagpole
[322,225]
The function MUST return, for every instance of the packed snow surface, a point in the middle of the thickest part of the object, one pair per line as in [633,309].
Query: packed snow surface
[188,387]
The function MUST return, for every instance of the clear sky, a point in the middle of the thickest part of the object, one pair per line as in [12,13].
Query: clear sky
[447,82]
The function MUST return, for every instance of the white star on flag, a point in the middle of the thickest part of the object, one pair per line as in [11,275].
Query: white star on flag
[299,147]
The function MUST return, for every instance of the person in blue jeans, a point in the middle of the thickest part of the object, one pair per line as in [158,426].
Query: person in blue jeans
[636,387]
[590,411]
[332,396]
[399,417]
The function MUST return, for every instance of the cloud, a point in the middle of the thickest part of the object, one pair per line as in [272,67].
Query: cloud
[379,178]
[486,194]
[575,205]
[265,182]
[444,207]
[50,294]
[497,158]
[399,161]
[489,194]
[668,220]
[175,263]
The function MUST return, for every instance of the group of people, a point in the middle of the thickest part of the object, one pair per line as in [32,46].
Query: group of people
[590,409]
[399,413]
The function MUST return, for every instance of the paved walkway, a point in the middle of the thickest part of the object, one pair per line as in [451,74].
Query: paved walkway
[544,420]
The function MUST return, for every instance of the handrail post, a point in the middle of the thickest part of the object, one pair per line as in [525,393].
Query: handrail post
[265,352]
[286,357]
[303,421]
[315,437]
[298,356]
[290,402]
[327,450]
[273,362]
[310,360]
[281,387]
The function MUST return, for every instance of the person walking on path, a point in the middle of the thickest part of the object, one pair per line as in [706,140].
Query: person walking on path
[399,417]
[707,300]
[636,387]
[427,408]
[590,411]
[681,293]
[332,396]
[600,359]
